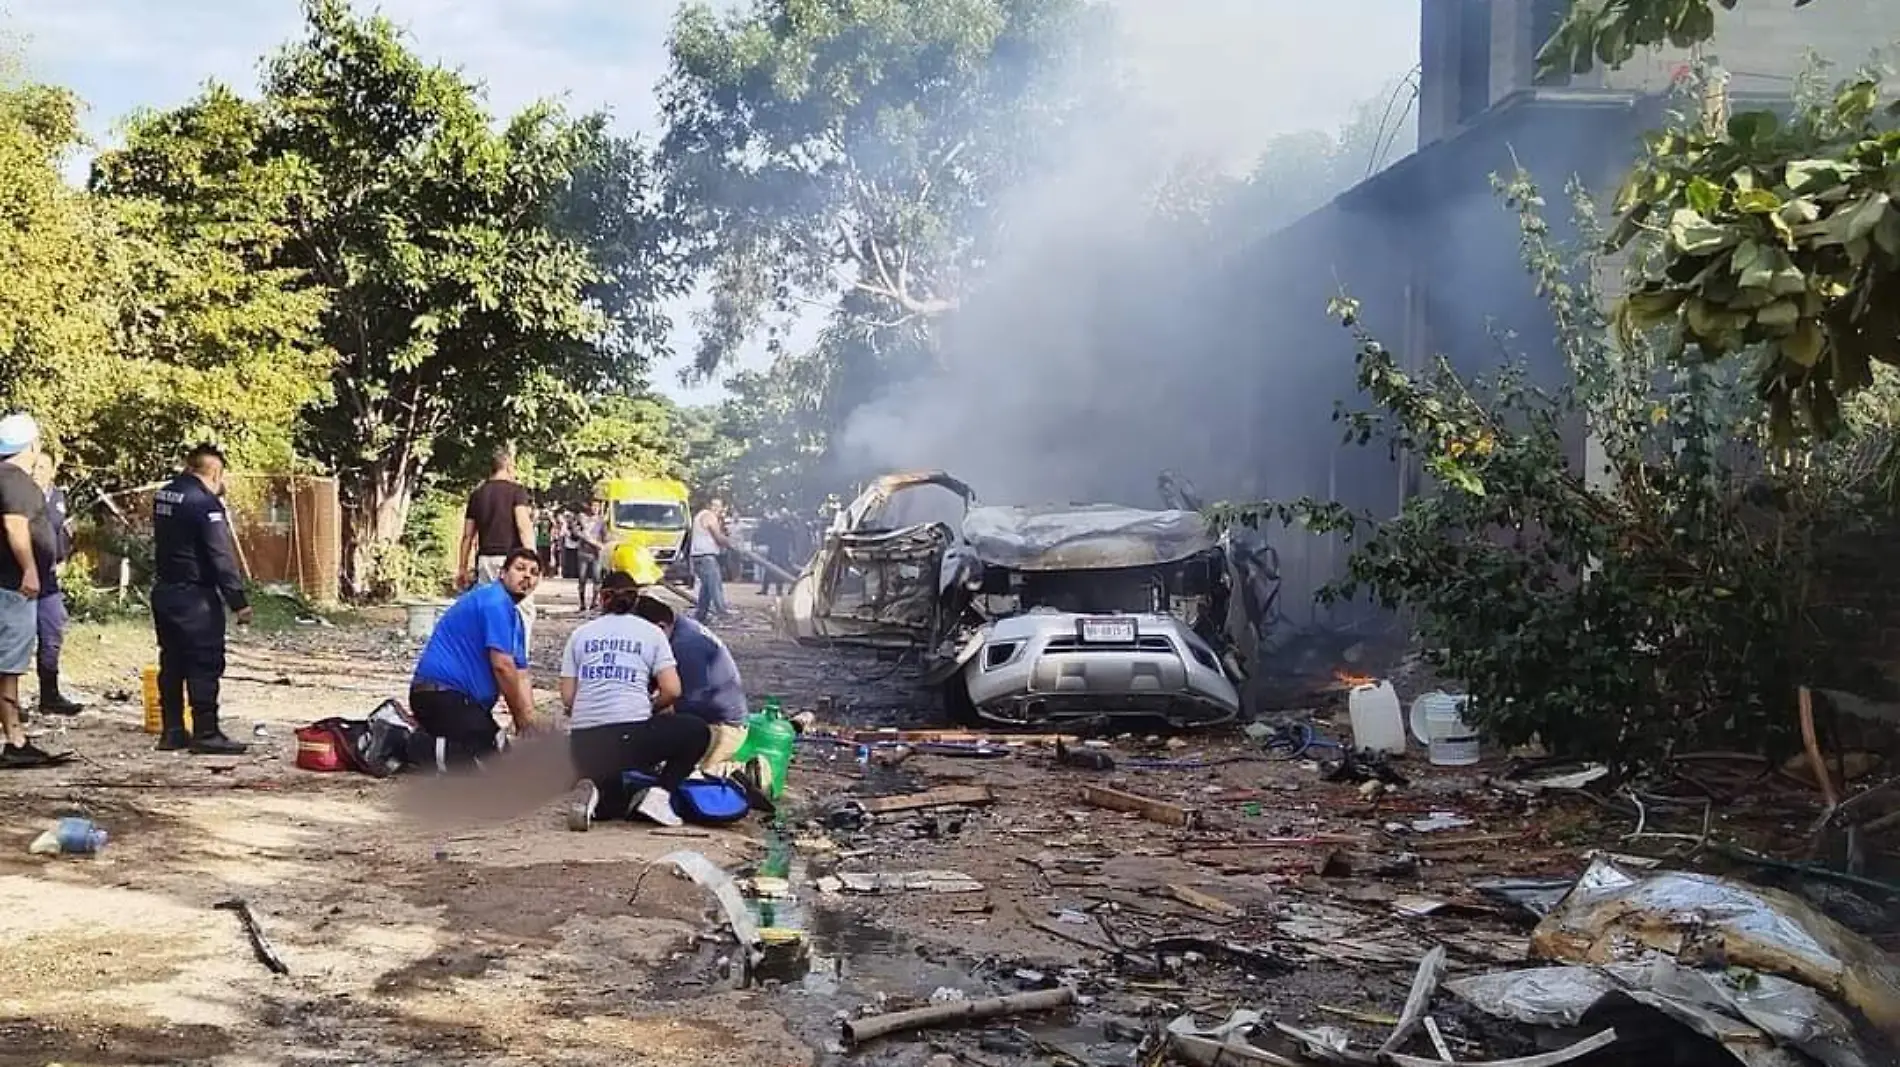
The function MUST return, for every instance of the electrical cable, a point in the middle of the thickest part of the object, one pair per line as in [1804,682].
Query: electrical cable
[1379,134]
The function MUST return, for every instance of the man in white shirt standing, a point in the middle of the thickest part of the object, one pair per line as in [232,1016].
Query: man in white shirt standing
[709,541]
[619,683]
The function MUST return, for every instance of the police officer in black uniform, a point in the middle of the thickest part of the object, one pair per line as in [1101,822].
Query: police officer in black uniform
[195,567]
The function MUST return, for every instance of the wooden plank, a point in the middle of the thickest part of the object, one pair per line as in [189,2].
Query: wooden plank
[1205,901]
[1158,811]
[929,798]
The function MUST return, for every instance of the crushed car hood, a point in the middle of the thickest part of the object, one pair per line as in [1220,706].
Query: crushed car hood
[1083,537]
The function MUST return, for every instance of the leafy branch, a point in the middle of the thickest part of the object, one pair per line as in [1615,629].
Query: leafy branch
[1775,238]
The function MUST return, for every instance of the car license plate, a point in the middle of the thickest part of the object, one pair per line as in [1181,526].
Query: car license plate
[1108,631]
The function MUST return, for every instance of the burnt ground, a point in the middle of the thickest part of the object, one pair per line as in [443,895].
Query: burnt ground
[424,926]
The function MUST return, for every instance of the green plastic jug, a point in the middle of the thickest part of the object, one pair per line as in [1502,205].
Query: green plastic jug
[768,733]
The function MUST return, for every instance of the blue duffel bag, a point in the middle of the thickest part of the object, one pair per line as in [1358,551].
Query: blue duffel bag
[704,801]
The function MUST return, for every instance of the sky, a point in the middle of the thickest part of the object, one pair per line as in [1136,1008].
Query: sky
[1235,71]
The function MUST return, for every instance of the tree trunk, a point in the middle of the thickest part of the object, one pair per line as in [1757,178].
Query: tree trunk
[377,499]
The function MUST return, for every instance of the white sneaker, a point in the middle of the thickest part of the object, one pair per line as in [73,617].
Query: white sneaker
[581,806]
[657,805]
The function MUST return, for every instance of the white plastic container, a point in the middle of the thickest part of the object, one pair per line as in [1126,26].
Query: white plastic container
[1438,722]
[422,618]
[1377,724]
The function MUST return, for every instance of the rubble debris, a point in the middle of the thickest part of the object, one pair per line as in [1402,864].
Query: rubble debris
[1748,1013]
[1574,778]
[1430,971]
[1326,1044]
[859,1031]
[260,944]
[1417,905]
[784,956]
[1700,919]
[1206,902]
[1355,767]
[1088,759]
[1222,1045]
[943,797]
[1536,897]
[908,881]
[1598,1041]
[1156,811]
[1440,820]
[708,876]
[1438,1039]
[1370,1018]
[1246,955]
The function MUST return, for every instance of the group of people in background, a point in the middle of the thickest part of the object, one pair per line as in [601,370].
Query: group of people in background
[36,531]
[195,578]
[571,540]
[644,687]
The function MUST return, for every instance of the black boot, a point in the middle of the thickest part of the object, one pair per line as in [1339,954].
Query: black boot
[52,701]
[208,740]
[217,745]
[174,740]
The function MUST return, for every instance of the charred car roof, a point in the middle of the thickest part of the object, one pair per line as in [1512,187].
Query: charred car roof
[1084,537]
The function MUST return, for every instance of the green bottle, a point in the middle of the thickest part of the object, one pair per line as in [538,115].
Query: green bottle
[771,735]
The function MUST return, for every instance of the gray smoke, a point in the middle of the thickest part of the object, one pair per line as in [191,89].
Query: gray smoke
[1101,345]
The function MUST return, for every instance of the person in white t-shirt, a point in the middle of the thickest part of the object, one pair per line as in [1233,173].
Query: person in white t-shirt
[619,683]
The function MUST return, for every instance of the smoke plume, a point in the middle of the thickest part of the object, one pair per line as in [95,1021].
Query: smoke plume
[1102,343]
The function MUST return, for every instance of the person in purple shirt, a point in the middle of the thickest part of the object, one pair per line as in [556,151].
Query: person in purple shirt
[710,686]
[52,606]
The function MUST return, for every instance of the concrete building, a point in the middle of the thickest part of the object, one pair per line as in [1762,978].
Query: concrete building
[1431,252]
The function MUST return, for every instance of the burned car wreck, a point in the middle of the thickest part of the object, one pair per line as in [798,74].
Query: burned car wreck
[1037,615]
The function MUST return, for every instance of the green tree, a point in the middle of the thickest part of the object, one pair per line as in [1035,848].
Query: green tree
[622,434]
[849,147]
[1759,235]
[57,294]
[219,341]
[479,284]
[1299,172]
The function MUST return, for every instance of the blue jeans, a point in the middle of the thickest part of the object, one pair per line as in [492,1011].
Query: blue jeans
[711,585]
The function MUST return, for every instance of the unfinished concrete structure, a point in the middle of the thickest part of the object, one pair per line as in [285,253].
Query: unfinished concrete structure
[1431,253]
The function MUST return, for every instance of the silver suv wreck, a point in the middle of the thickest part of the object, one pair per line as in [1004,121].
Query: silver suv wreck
[1033,616]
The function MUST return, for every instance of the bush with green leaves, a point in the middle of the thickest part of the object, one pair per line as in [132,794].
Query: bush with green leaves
[86,601]
[1670,599]
[1775,239]
[422,564]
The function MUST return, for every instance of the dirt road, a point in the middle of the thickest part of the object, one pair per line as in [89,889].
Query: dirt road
[514,941]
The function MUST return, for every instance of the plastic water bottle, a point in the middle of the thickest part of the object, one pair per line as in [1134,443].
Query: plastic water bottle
[73,836]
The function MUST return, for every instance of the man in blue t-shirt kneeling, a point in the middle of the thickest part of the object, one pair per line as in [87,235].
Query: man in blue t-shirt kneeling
[477,655]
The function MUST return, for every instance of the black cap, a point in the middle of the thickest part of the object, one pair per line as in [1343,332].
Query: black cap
[615,581]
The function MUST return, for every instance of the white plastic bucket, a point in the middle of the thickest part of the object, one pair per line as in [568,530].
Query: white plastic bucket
[422,618]
[1438,723]
[1376,722]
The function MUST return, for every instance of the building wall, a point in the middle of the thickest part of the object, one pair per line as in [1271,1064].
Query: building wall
[1508,33]
[1763,44]
[1432,254]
